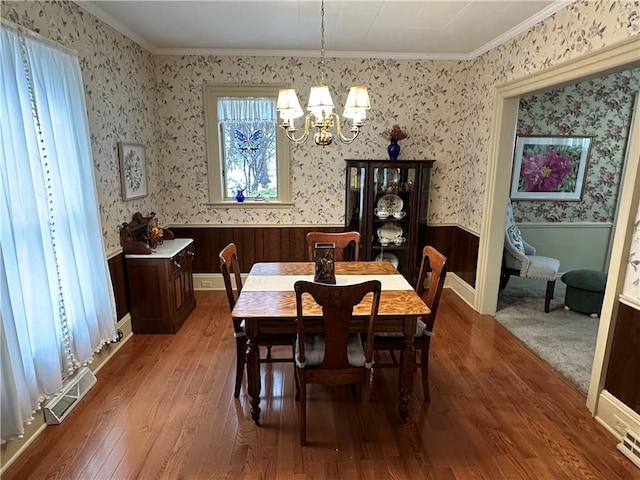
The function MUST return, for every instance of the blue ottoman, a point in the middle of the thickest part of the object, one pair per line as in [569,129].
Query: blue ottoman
[585,291]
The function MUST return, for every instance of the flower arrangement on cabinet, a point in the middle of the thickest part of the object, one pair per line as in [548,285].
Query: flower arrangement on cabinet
[395,133]
[155,234]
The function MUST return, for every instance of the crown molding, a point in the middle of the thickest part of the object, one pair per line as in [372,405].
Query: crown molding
[523,27]
[115,24]
[307,54]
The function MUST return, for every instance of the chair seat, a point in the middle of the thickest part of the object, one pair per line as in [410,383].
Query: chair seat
[314,347]
[544,268]
[421,328]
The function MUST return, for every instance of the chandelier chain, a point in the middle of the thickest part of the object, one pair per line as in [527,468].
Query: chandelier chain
[322,42]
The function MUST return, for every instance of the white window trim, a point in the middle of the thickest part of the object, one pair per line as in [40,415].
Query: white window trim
[283,149]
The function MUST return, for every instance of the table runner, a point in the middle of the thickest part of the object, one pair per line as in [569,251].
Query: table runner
[283,283]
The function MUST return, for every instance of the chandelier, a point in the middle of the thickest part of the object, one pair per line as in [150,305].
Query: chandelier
[320,107]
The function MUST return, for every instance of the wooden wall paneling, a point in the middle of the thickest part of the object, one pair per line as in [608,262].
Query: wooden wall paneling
[203,241]
[224,236]
[208,248]
[465,245]
[255,244]
[298,243]
[271,244]
[118,274]
[440,239]
[285,243]
[459,246]
[288,244]
[245,245]
[623,374]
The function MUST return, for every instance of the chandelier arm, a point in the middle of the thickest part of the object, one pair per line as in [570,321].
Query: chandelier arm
[305,134]
[355,130]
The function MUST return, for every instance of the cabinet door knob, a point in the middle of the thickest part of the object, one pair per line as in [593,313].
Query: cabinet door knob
[192,254]
[176,264]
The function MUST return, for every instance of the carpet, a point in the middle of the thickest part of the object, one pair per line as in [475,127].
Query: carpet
[566,340]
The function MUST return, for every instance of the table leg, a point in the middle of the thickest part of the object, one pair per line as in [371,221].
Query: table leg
[253,377]
[407,365]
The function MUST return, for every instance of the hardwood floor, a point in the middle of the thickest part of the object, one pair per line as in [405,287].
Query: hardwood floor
[163,408]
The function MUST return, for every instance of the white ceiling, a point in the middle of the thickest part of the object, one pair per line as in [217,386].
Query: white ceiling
[417,29]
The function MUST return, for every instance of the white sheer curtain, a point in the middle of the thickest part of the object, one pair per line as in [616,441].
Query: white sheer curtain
[56,296]
[247,109]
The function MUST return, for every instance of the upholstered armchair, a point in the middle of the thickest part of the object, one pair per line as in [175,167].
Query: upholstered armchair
[520,259]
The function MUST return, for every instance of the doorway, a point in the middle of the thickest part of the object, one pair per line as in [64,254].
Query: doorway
[608,60]
[577,233]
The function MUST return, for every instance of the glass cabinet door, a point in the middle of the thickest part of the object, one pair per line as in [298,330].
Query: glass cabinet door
[387,202]
[393,214]
[355,211]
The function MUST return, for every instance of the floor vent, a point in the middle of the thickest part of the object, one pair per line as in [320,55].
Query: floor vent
[630,446]
[76,387]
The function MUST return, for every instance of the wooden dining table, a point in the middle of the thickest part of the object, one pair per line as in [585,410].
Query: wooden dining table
[267,304]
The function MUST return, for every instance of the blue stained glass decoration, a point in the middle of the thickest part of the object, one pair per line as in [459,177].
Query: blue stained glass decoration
[245,143]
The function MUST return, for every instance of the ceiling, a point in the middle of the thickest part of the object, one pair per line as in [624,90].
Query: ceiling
[416,29]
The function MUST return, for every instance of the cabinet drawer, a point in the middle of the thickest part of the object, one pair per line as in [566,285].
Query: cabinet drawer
[181,260]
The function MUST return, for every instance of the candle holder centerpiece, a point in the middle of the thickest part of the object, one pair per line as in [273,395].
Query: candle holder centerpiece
[325,265]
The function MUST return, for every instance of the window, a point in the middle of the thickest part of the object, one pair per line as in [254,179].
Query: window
[246,148]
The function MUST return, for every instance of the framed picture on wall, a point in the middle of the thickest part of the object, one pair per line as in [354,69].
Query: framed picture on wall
[133,170]
[550,168]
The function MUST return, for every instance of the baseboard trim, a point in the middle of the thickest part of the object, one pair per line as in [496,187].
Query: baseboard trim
[210,281]
[31,432]
[615,416]
[465,291]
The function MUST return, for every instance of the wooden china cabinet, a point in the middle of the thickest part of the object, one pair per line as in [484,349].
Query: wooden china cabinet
[387,202]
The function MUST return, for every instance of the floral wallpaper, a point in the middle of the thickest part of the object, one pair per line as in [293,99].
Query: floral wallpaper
[601,108]
[416,95]
[578,29]
[119,81]
[446,107]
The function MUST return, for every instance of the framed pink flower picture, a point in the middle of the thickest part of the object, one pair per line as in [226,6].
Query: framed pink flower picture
[550,168]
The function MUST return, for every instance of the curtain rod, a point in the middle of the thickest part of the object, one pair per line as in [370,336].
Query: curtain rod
[20,30]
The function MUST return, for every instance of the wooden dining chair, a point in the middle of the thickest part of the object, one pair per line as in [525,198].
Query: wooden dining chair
[341,241]
[432,261]
[335,356]
[230,268]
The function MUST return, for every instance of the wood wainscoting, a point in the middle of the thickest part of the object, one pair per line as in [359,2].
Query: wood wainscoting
[623,374]
[459,246]
[255,244]
[288,244]
[117,270]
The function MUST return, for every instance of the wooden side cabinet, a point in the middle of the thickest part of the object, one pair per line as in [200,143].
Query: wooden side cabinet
[161,287]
